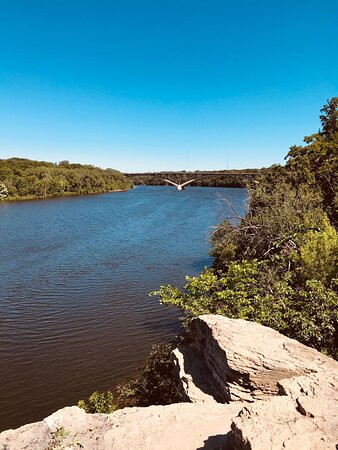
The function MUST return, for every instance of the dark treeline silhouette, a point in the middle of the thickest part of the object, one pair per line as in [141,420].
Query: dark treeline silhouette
[219,178]
[24,178]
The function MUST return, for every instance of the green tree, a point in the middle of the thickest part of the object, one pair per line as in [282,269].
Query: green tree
[316,163]
[251,291]
[317,257]
[329,118]
[27,178]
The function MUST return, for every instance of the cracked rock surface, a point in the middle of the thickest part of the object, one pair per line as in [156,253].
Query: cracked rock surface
[246,386]
[288,392]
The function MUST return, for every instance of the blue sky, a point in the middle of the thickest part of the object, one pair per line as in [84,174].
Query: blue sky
[135,85]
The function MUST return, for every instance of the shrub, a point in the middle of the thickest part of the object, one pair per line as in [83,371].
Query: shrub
[318,255]
[312,316]
[251,290]
[275,220]
[99,402]
[157,384]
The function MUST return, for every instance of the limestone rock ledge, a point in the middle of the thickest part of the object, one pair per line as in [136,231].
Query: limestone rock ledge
[172,427]
[246,387]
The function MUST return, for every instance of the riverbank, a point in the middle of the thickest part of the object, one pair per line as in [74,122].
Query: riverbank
[26,179]
[66,194]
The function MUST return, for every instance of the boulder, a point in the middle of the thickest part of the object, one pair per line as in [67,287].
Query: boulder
[288,392]
[247,360]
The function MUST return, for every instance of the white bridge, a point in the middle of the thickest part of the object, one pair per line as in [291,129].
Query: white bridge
[180,187]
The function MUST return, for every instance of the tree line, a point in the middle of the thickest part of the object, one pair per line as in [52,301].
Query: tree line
[216,178]
[25,178]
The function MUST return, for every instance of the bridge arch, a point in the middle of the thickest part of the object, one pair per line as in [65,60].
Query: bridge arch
[179,186]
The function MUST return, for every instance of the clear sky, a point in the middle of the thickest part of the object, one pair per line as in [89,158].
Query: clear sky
[135,85]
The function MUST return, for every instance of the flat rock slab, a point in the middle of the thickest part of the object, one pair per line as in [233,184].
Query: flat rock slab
[277,424]
[174,427]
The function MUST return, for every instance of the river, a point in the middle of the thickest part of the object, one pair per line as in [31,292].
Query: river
[75,314]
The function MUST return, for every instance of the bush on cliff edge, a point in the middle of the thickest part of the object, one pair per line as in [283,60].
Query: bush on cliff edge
[156,385]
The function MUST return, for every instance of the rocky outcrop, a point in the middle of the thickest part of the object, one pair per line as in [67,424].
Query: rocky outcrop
[246,387]
[247,361]
[288,392]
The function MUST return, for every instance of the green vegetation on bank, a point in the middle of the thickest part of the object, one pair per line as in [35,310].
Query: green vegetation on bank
[23,178]
[279,265]
[234,178]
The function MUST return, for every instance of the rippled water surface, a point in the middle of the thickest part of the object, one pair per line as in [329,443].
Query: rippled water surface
[75,315]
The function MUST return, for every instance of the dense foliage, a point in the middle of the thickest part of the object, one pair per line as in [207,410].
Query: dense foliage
[278,265]
[24,178]
[157,383]
[235,178]
[99,402]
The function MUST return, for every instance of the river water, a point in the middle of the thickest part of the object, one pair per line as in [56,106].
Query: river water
[75,314]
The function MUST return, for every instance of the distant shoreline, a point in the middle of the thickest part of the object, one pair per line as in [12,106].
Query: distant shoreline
[66,194]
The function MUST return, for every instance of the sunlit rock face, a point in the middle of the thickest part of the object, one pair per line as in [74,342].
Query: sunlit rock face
[246,387]
[287,392]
